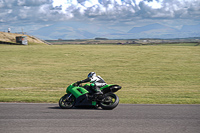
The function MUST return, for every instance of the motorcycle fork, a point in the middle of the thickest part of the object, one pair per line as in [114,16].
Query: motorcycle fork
[69,96]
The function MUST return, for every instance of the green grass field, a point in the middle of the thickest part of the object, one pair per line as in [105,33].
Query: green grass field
[147,74]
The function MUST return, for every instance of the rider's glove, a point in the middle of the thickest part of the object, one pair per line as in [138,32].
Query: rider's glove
[77,83]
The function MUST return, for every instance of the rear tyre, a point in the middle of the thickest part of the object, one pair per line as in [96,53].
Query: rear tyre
[67,101]
[109,102]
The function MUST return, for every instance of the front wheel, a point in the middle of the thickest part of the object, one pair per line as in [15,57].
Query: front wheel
[67,101]
[110,101]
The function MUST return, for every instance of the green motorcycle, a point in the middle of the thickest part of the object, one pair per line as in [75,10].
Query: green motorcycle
[78,95]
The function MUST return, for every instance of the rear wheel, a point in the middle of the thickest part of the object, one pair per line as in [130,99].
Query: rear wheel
[110,101]
[67,101]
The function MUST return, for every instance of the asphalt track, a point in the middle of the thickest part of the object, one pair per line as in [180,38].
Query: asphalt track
[126,118]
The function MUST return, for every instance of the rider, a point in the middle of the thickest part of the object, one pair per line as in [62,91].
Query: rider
[97,82]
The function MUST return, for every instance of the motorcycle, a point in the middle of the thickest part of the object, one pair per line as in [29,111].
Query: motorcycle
[84,96]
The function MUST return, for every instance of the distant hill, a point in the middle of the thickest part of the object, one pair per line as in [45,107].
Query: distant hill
[78,30]
[152,27]
[191,28]
[11,37]
[161,31]
[73,30]
[64,31]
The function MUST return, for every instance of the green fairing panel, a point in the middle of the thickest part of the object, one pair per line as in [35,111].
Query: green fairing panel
[106,86]
[69,88]
[78,91]
[86,85]
[94,103]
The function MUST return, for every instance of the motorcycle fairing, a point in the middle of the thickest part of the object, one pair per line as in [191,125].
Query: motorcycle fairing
[110,88]
[78,91]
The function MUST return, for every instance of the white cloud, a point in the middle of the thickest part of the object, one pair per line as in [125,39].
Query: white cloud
[154,4]
[109,11]
[140,8]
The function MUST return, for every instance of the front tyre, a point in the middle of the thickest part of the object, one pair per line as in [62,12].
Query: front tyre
[67,101]
[109,102]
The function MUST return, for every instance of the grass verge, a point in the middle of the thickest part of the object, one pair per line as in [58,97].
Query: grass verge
[148,74]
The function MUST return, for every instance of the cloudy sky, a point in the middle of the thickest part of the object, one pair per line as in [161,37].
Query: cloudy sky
[123,15]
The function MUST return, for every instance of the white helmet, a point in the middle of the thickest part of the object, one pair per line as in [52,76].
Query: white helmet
[91,75]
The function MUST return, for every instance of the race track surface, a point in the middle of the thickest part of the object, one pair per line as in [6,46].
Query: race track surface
[126,118]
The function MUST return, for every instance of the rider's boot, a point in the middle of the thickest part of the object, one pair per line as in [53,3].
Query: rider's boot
[97,91]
